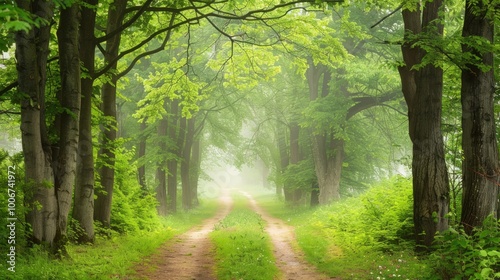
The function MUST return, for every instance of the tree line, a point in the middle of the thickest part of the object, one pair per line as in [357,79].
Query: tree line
[304,77]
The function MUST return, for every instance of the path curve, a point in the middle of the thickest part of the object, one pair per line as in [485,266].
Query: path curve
[292,265]
[187,256]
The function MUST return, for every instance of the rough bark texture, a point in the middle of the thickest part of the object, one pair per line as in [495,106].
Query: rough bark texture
[31,55]
[423,94]
[161,180]
[65,164]
[83,210]
[480,164]
[103,202]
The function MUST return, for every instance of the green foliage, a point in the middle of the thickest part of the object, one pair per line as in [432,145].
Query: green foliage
[13,19]
[242,247]
[462,256]
[380,218]
[300,175]
[131,210]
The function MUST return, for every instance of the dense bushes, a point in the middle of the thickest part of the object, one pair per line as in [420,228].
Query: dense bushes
[133,208]
[462,256]
[381,217]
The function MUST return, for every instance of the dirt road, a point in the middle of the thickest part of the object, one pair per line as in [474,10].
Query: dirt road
[189,256]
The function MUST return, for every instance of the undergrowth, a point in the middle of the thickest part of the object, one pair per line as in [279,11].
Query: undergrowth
[242,247]
[462,256]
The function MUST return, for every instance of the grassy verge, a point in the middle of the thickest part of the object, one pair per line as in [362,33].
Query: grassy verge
[357,238]
[107,258]
[243,249]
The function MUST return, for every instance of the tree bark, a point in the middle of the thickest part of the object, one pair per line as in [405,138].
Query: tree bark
[423,94]
[83,210]
[103,202]
[186,165]
[480,165]
[141,153]
[328,151]
[65,167]
[284,158]
[161,189]
[32,49]
[295,157]
[172,161]
[195,169]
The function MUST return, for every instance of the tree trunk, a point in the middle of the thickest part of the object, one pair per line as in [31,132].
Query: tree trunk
[103,202]
[141,153]
[314,195]
[172,162]
[423,94]
[284,158]
[480,165]
[195,169]
[65,167]
[83,211]
[295,156]
[31,56]
[328,156]
[185,156]
[328,151]
[161,189]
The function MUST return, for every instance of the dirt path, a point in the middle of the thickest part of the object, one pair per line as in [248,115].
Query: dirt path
[292,264]
[187,256]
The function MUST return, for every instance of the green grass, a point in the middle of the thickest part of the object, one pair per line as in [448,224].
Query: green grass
[243,249]
[106,258]
[340,243]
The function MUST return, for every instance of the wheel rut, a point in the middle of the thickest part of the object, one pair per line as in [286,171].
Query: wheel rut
[190,255]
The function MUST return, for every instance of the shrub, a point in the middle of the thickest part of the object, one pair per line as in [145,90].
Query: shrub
[462,256]
[381,217]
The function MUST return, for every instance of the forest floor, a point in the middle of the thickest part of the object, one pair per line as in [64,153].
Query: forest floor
[190,255]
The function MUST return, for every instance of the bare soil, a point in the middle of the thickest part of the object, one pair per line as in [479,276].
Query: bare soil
[290,262]
[190,256]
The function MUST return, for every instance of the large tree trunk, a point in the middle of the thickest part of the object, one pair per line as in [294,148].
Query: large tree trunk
[65,164]
[423,94]
[31,56]
[83,210]
[328,151]
[102,212]
[51,177]
[480,165]
[328,154]
[172,162]
[161,189]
